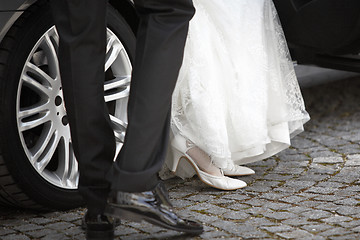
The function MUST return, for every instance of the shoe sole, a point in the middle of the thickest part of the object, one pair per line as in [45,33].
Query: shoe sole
[239,175]
[99,235]
[135,217]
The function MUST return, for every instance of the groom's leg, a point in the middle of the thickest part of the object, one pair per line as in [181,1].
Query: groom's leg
[81,25]
[159,53]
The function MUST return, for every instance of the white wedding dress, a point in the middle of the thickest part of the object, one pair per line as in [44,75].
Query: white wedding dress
[237,96]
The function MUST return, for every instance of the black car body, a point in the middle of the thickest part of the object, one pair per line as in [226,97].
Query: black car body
[322,32]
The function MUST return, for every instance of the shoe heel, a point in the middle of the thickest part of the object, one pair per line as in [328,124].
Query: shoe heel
[177,155]
[178,145]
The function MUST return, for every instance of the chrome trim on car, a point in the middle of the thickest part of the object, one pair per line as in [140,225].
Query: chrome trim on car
[17,11]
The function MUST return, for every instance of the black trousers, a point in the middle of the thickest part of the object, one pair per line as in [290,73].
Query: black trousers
[161,37]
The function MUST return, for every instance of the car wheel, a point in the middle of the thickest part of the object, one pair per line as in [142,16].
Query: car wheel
[38,168]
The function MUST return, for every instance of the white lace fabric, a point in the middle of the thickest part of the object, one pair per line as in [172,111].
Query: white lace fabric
[237,96]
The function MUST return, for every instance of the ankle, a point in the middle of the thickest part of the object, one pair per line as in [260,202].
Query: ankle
[202,160]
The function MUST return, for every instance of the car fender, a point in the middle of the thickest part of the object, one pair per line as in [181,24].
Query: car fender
[9,14]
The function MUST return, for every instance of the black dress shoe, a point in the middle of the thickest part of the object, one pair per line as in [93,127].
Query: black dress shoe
[151,206]
[98,227]
[116,222]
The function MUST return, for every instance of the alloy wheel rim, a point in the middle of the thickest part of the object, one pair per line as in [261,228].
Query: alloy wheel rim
[41,114]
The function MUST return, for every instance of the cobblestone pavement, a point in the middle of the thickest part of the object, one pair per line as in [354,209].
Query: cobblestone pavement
[310,191]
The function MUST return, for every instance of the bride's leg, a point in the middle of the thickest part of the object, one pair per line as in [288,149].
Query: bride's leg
[202,159]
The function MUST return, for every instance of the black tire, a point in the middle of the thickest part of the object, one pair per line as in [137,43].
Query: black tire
[21,185]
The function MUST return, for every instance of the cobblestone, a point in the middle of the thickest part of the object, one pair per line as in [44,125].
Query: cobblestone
[296,234]
[328,160]
[315,214]
[309,191]
[316,228]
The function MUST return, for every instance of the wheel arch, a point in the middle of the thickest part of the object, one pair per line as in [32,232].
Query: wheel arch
[17,8]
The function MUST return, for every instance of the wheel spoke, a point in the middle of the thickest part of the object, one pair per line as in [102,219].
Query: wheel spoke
[113,49]
[118,82]
[36,120]
[51,44]
[117,88]
[48,153]
[118,149]
[74,170]
[110,42]
[42,144]
[41,76]
[119,128]
[65,161]
[36,86]
[67,171]
[33,110]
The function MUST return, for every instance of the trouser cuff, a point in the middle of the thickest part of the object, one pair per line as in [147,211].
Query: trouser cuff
[133,181]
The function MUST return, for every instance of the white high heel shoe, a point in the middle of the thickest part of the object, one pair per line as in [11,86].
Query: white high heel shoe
[180,150]
[236,170]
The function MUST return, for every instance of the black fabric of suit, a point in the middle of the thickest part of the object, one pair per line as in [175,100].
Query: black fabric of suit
[161,37]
